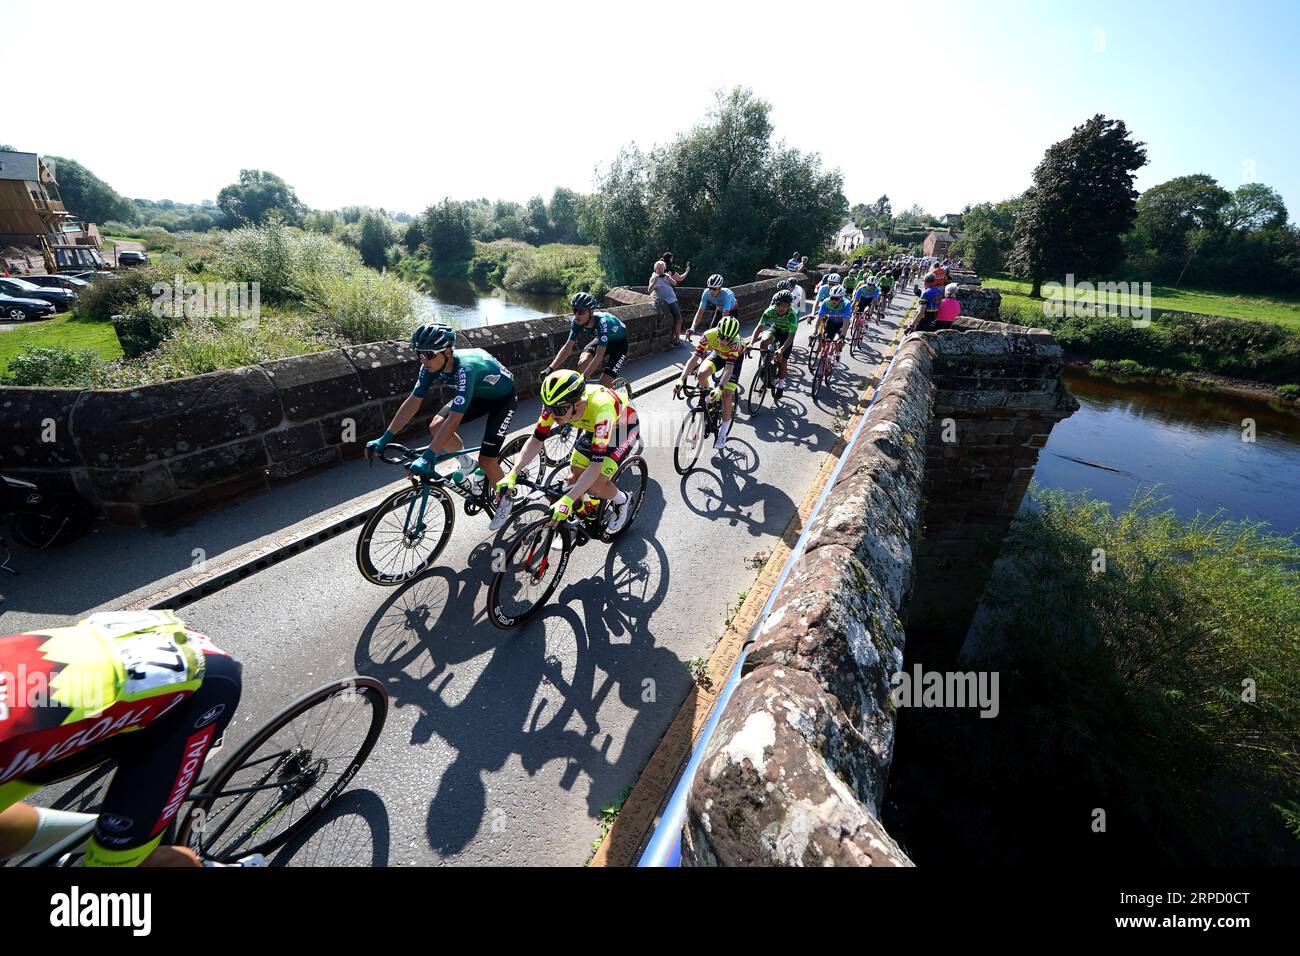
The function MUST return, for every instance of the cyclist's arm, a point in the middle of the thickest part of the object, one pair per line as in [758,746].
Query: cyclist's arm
[405,412]
[597,353]
[560,357]
[726,373]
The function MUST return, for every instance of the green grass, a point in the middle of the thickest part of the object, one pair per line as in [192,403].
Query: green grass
[1282,310]
[65,331]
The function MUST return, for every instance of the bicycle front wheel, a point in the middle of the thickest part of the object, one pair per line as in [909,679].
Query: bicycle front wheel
[287,772]
[531,570]
[757,389]
[559,445]
[405,535]
[690,439]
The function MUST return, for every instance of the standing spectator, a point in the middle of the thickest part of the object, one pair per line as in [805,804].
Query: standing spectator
[663,293]
[930,299]
[794,263]
[677,274]
[949,308]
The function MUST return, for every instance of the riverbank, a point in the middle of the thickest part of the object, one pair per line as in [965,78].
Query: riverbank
[1202,381]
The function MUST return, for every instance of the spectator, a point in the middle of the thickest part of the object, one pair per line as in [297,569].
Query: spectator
[949,308]
[930,299]
[677,274]
[663,293]
[794,263]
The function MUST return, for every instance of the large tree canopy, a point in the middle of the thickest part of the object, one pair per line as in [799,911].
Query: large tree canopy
[724,194]
[1080,205]
[87,196]
[258,195]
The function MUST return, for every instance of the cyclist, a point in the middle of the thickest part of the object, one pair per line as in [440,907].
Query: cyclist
[851,281]
[608,429]
[778,323]
[823,289]
[606,341]
[831,316]
[720,349]
[483,386]
[137,688]
[722,300]
[886,281]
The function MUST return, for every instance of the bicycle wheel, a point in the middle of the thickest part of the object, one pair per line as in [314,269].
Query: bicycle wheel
[817,379]
[623,387]
[632,478]
[690,439]
[814,349]
[559,445]
[758,387]
[532,568]
[510,454]
[405,535]
[287,772]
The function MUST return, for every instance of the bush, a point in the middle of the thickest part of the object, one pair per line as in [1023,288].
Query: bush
[107,297]
[1288,391]
[51,367]
[198,347]
[139,330]
[279,259]
[367,307]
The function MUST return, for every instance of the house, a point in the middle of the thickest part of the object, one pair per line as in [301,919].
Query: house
[851,236]
[32,216]
[937,243]
[952,219]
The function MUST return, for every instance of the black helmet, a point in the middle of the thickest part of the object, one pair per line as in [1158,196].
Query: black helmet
[433,338]
[784,296]
[583,300]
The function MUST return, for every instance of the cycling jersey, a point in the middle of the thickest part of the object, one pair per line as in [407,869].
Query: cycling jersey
[773,319]
[711,341]
[850,284]
[137,687]
[886,282]
[603,330]
[605,417]
[473,373]
[828,312]
[723,300]
[932,297]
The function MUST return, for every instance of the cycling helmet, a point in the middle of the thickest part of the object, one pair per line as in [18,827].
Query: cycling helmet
[729,327]
[784,296]
[715,281]
[950,288]
[583,300]
[433,338]
[788,285]
[837,292]
[563,385]
[834,278]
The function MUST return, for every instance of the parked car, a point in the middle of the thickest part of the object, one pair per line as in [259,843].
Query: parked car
[13,309]
[97,275]
[61,299]
[130,258]
[60,281]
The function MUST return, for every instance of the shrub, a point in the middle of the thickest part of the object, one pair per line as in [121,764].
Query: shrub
[1288,391]
[366,307]
[139,330]
[52,367]
[107,297]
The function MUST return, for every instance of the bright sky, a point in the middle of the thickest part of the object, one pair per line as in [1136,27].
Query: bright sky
[398,104]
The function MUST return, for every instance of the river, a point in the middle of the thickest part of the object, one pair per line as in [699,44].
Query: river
[465,306]
[1137,434]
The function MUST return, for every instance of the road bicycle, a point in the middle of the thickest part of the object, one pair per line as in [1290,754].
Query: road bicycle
[858,330]
[827,359]
[271,788]
[559,443]
[533,563]
[409,529]
[703,420]
[765,379]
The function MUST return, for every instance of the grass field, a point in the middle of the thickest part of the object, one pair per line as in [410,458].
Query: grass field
[65,330]
[1283,310]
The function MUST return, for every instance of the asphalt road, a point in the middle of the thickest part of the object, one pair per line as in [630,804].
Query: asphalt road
[502,747]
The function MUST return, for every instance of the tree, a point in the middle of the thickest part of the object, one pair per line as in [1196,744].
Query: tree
[447,232]
[257,196]
[1177,218]
[723,194]
[87,196]
[1254,207]
[565,212]
[376,237]
[536,220]
[987,235]
[1080,205]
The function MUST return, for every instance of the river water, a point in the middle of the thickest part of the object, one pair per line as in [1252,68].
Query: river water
[1130,435]
[465,306]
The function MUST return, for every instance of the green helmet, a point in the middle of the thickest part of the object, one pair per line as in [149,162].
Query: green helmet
[433,338]
[729,327]
[583,300]
[564,385]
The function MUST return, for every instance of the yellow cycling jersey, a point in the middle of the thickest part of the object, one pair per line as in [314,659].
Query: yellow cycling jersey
[605,416]
[727,350]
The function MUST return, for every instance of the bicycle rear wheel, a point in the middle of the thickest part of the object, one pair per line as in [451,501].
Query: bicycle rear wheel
[690,439]
[287,772]
[632,478]
[559,445]
[405,535]
[757,388]
[531,570]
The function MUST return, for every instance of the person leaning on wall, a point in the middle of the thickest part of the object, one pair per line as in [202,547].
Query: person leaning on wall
[662,287]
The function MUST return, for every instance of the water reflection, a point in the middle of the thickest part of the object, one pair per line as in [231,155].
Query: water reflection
[466,306]
[1128,436]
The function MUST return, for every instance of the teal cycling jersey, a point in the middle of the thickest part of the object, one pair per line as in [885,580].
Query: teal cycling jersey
[603,330]
[473,374]
[831,314]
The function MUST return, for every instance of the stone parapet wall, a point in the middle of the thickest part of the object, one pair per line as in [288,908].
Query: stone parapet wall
[155,453]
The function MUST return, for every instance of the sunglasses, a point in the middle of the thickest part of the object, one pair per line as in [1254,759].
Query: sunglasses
[426,355]
[582,311]
[559,411]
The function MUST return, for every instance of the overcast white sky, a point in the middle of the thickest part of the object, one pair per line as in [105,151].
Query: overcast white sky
[397,104]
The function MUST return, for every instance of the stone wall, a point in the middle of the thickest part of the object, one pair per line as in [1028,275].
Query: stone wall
[796,769]
[156,453]
[979,303]
[752,297]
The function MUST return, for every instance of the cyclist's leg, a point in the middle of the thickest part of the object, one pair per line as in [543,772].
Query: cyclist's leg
[499,415]
[156,769]
[783,355]
[706,370]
